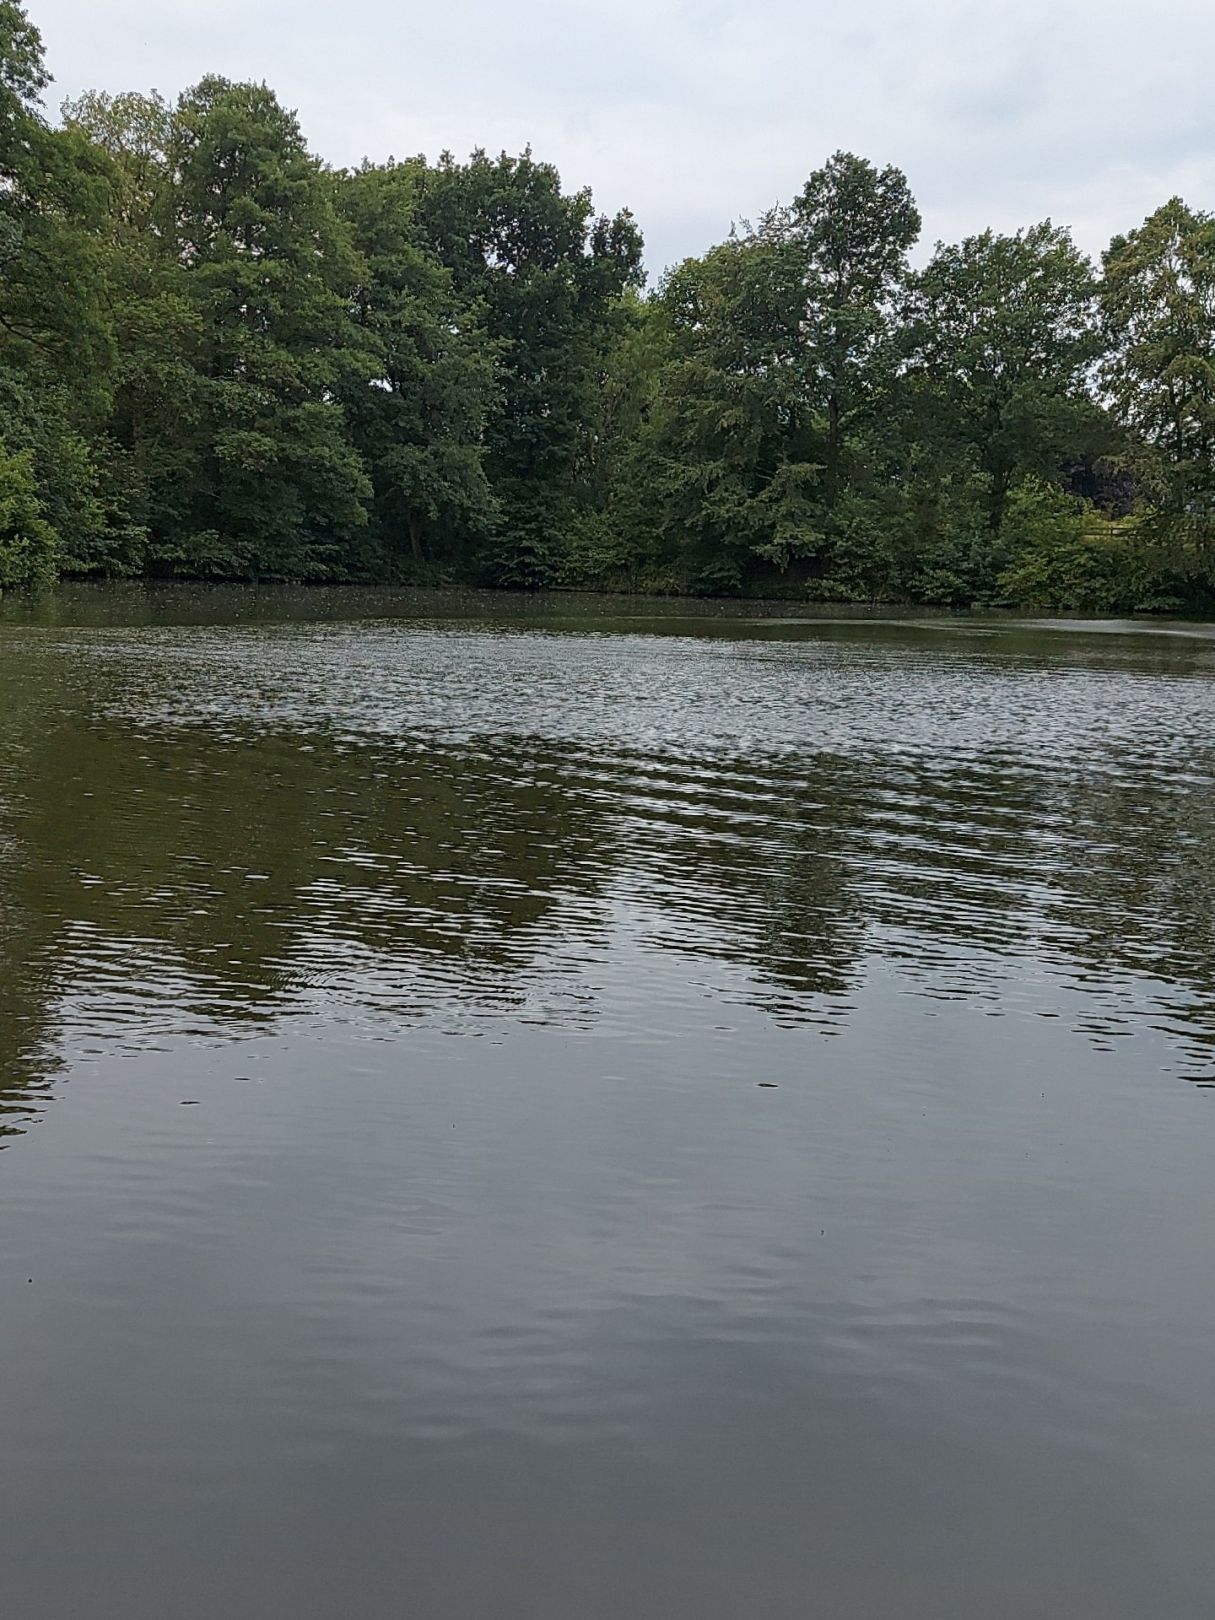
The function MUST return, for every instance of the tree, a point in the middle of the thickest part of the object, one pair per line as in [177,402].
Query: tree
[148,449]
[729,457]
[1000,341]
[781,362]
[612,542]
[851,230]
[550,276]
[276,488]
[53,199]
[28,544]
[56,342]
[1158,304]
[418,419]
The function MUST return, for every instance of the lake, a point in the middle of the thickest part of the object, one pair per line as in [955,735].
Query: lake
[549,1110]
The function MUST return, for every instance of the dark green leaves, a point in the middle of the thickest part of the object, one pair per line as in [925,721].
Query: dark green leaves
[220,358]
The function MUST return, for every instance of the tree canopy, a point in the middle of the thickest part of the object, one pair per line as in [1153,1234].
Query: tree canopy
[220,357]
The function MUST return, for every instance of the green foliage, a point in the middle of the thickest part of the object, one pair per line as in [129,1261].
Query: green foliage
[27,542]
[849,232]
[1000,337]
[143,469]
[780,356]
[1064,555]
[274,487]
[1158,301]
[57,352]
[418,416]
[550,278]
[728,445]
[219,358]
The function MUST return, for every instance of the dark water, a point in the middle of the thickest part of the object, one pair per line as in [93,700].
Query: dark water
[695,1117]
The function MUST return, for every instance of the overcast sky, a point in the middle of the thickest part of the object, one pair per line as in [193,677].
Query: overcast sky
[693,114]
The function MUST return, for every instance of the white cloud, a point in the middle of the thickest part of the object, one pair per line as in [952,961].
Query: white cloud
[694,114]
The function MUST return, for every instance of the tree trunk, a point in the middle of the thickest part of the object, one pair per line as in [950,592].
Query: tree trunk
[833,449]
[1001,482]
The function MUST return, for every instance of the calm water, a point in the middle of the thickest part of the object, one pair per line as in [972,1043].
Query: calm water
[520,1114]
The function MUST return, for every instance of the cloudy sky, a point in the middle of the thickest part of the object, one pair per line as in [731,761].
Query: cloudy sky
[696,112]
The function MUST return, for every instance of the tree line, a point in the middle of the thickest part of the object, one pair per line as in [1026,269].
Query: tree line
[220,358]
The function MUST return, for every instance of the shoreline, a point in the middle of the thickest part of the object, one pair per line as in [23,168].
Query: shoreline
[86,601]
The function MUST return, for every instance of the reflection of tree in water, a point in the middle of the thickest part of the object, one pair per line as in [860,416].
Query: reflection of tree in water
[953,871]
[1141,900]
[1104,876]
[949,860]
[28,722]
[171,882]
[746,862]
[27,1059]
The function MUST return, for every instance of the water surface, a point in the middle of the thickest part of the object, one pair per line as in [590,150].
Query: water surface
[576,1109]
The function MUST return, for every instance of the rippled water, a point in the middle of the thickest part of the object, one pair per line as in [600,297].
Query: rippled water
[689,1114]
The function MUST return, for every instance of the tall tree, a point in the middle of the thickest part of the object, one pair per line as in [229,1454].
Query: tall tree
[1158,303]
[729,457]
[550,275]
[613,543]
[419,418]
[781,363]
[158,327]
[1002,336]
[56,343]
[277,490]
[851,230]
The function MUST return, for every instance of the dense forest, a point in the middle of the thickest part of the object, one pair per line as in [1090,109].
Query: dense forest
[220,358]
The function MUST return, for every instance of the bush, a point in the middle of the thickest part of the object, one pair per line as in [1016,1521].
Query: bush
[29,547]
[1064,555]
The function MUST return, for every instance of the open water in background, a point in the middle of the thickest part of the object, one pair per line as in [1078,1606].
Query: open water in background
[579,1110]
